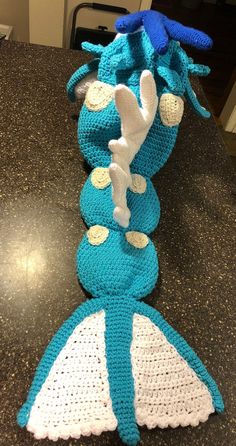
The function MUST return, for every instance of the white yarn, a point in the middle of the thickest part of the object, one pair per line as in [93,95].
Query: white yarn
[135,125]
[167,391]
[75,400]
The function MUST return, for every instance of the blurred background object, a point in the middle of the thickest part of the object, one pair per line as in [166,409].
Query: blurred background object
[218,19]
[15,13]
[98,34]
[6,32]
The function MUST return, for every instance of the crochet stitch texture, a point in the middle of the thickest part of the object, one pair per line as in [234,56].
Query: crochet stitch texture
[116,363]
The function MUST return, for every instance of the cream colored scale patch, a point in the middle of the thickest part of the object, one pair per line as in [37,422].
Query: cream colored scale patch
[100,179]
[139,184]
[98,96]
[97,235]
[171,109]
[137,239]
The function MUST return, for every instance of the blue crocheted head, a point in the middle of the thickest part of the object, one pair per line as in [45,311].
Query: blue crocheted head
[123,61]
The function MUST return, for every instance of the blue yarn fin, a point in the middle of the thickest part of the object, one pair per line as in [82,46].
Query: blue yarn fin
[154,26]
[179,347]
[161,30]
[119,326]
[193,101]
[198,70]
[96,50]
[172,79]
[78,76]
[54,348]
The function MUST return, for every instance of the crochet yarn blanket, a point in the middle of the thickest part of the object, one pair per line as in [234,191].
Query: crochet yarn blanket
[116,363]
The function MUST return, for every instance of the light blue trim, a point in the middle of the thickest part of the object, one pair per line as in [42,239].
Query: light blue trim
[193,101]
[119,334]
[78,76]
[52,351]
[184,350]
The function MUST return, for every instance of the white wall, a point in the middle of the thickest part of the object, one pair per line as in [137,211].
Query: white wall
[46,22]
[50,20]
[16,13]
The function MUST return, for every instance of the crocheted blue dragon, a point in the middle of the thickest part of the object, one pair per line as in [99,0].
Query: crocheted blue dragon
[116,363]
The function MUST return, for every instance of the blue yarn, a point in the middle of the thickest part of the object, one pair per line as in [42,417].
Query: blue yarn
[172,79]
[125,58]
[97,208]
[192,99]
[52,351]
[184,350]
[161,29]
[96,50]
[118,336]
[116,268]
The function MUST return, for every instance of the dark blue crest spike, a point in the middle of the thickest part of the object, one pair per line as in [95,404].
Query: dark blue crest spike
[161,30]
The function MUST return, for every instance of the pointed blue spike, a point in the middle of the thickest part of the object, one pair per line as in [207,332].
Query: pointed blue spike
[199,70]
[96,50]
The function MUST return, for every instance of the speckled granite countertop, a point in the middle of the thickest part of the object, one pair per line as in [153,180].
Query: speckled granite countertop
[42,173]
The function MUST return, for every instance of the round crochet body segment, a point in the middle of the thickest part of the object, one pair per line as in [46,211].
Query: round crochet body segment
[97,206]
[97,128]
[116,268]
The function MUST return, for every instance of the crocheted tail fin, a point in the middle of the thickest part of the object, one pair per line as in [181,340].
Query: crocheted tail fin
[69,396]
[172,386]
